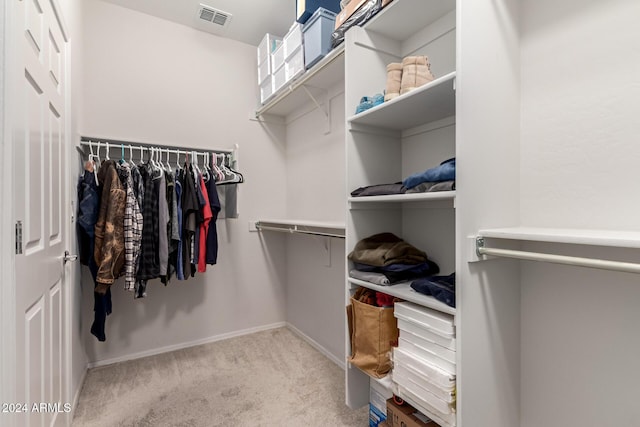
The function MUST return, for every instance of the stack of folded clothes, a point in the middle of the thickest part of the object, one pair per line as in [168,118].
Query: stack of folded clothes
[440,178]
[385,259]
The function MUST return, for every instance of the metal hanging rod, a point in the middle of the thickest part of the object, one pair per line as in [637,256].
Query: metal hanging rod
[295,229]
[114,143]
[601,264]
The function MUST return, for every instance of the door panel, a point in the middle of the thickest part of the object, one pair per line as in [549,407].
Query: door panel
[38,131]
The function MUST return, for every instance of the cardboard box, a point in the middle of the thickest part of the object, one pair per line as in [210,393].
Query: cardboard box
[384,424]
[406,416]
[348,11]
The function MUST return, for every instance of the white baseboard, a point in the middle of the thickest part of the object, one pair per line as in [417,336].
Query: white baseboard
[341,363]
[181,346]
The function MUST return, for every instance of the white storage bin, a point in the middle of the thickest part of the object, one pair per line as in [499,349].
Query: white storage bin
[438,378]
[266,89]
[277,58]
[405,377]
[294,65]
[264,70]
[429,356]
[279,78]
[411,340]
[267,46]
[422,331]
[292,40]
[441,323]
[444,420]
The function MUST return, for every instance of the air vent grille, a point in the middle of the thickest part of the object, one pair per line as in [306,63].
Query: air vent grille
[213,16]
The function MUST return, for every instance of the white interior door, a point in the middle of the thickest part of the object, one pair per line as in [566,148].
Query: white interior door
[38,134]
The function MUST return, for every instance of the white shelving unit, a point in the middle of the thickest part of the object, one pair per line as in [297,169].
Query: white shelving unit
[403,198]
[313,83]
[433,101]
[404,291]
[391,141]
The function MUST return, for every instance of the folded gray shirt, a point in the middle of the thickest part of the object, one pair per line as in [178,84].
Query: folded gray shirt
[371,277]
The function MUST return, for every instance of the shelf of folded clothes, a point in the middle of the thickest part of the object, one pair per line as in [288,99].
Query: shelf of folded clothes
[404,291]
[433,101]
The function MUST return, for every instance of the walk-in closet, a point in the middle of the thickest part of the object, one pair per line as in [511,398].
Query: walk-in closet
[388,213]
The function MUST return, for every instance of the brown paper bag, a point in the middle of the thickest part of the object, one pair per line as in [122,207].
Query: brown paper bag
[373,331]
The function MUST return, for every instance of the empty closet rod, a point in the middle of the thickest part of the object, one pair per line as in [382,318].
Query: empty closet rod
[297,230]
[601,264]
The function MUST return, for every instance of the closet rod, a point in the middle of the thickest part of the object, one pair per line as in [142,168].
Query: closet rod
[85,140]
[601,264]
[297,230]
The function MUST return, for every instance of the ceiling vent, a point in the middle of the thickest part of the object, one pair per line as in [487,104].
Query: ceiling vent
[213,16]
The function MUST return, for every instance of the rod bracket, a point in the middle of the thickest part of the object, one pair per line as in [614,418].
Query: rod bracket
[479,246]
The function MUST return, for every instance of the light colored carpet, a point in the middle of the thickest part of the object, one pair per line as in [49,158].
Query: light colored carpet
[267,379]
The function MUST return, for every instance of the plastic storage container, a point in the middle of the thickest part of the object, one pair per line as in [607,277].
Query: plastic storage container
[440,323]
[294,65]
[279,78]
[267,46]
[306,8]
[317,36]
[292,40]
[264,70]
[266,89]
[277,58]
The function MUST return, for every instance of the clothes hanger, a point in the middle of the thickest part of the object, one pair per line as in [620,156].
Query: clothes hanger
[131,156]
[107,155]
[218,171]
[94,166]
[178,167]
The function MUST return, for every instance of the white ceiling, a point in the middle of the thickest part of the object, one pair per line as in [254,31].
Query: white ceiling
[251,20]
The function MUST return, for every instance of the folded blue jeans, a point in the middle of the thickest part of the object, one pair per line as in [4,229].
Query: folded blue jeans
[446,171]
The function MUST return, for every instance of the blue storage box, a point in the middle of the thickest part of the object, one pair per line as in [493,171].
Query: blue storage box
[306,8]
[317,36]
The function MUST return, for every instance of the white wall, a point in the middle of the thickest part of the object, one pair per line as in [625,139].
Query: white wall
[150,80]
[580,62]
[316,191]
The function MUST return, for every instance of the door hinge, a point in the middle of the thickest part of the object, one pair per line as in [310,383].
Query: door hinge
[18,237]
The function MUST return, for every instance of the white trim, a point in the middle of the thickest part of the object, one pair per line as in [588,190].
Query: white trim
[341,363]
[184,345]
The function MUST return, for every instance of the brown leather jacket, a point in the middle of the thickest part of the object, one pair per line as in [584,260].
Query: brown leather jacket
[109,246]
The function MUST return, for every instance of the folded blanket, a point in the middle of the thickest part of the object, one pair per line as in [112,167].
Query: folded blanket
[446,171]
[385,249]
[442,288]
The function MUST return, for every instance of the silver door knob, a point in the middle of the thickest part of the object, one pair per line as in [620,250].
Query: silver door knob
[68,257]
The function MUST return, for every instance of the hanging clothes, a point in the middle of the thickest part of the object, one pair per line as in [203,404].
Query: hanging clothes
[179,254]
[204,228]
[212,235]
[109,229]
[149,267]
[190,212]
[132,228]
